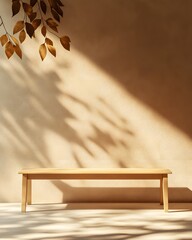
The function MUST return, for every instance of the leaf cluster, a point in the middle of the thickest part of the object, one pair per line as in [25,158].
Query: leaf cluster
[43,14]
[11,45]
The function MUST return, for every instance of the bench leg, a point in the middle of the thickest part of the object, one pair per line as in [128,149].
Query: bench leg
[24,193]
[29,192]
[161,191]
[165,193]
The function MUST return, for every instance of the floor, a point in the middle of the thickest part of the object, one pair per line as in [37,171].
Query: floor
[96,221]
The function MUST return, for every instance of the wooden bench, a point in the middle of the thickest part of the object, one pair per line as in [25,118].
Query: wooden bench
[95,174]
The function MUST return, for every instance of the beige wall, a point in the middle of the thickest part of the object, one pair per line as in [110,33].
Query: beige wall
[120,98]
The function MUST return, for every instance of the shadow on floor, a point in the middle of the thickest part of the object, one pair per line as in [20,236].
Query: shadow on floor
[94,223]
[46,207]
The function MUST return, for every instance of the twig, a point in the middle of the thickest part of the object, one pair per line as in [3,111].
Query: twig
[43,20]
[6,32]
[2,23]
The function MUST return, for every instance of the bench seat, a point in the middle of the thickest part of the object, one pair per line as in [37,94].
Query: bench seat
[96,174]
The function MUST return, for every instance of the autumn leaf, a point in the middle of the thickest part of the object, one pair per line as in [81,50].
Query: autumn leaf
[42,51]
[27,8]
[17,50]
[18,26]
[15,7]
[52,50]
[44,31]
[65,41]
[56,5]
[43,6]
[4,39]
[59,11]
[54,29]
[32,16]
[33,2]
[48,41]
[9,50]
[29,29]
[60,3]
[51,23]
[36,23]
[22,36]
[55,15]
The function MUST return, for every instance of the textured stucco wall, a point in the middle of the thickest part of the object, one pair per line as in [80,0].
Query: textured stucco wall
[120,98]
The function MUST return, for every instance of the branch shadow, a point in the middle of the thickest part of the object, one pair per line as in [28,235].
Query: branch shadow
[38,105]
[35,110]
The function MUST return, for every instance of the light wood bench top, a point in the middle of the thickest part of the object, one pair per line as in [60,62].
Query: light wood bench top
[95,171]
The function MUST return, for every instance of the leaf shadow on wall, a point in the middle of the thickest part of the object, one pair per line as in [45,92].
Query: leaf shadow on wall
[145,45]
[30,109]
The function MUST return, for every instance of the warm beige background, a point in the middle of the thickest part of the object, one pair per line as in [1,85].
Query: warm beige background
[120,98]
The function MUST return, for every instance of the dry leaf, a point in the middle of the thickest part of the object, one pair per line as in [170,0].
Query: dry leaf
[56,4]
[54,29]
[65,41]
[67,38]
[18,26]
[60,3]
[9,50]
[52,50]
[33,2]
[43,6]
[48,41]
[27,8]
[44,31]
[36,23]
[15,7]
[29,29]
[55,15]
[17,50]
[52,24]
[32,16]
[22,36]
[42,51]
[4,39]
[59,10]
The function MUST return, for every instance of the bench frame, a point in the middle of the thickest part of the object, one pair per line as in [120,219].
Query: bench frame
[76,174]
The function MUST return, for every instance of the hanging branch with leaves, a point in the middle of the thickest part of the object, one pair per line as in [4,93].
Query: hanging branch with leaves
[43,14]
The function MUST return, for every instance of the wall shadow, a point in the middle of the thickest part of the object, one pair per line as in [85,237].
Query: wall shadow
[145,45]
[31,109]
[34,108]
[120,194]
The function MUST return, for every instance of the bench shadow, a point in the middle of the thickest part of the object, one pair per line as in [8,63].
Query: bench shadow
[180,198]
[121,194]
